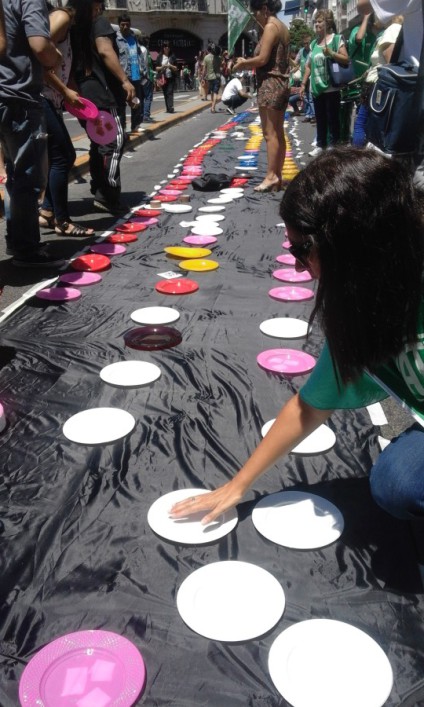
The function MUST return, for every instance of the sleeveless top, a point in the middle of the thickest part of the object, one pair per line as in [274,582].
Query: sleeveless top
[278,62]
[63,73]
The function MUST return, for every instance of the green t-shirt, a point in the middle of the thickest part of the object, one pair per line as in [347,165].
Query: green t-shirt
[402,378]
[320,78]
[360,53]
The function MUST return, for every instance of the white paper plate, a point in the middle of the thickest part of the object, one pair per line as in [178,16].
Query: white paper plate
[130,373]
[231,601]
[224,199]
[326,663]
[177,208]
[211,209]
[284,328]
[246,169]
[98,425]
[188,530]
[232,190]
[210,218]
[318,442]
[155,315]
[298,519]
[206,229]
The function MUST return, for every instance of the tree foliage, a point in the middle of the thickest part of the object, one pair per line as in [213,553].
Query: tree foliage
[298,28]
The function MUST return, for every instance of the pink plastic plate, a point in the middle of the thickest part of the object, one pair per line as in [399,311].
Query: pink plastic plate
[85,668]
[186,178]
[108,249]
[89,112]
[181,286]
[58,294]
[288,361]
[291,294]
[291,275]
[170,192]
[80,278]
[286,259]
[102,129]
[200,240]
[146,220]
[286,245]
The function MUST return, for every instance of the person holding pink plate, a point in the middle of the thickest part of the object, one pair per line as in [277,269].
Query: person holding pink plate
[369,265]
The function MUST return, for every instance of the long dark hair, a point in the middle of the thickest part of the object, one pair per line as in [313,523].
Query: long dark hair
[366,219]
[81,40]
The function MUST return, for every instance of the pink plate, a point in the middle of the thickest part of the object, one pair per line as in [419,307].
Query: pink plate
[131,227]
[286,259]
[58,294]
[288,361]
[186,178]
[80,278]
[85,668]
[146,220]
[170,192]
[200,240]
[103,129]
[182,286]
[165,198]
[89,112]
[291,275]
[291,294]
[286,245]
[108,248]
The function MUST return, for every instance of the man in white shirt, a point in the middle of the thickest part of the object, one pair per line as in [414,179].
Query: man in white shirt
[234,94]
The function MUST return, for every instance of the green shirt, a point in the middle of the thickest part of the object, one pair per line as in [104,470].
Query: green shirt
[320,77]
[402,378]
[360,53]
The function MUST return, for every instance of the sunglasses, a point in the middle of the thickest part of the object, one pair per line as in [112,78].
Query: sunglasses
[301,251]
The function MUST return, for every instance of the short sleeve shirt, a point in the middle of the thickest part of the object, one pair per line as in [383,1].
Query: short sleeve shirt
[134,62]
[232,89]
[212,66]
[21,75]
[412,24]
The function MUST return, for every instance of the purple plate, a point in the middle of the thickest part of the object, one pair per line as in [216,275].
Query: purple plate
[153,338]
[288,361]
[80,278]
[58,294]
[85,668]
[291,275]
[291,294]
[286,259]
[108,248]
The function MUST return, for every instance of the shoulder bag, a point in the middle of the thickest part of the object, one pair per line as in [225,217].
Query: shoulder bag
[340,74]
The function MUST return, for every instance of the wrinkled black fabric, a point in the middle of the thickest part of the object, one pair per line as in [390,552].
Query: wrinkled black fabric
[76,549]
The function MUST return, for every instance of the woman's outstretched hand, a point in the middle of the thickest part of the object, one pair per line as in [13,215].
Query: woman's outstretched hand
[216,502]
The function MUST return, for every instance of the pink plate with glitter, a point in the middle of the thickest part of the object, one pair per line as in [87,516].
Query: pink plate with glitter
[102,129]
[291,294]
[58,294]
[200,240]
[286,259]
[85,668]
[108,248]
[288,361]
[291,275]
[81,279]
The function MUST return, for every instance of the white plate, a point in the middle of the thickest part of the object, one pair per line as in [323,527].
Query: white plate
[155,315]
[326,663]
[188,530]
[232,190]
[321,440]
[98,425]
[206,229]
[224,199]
[211,209]
[209,218]
[298,519]
[130,373]
[230,601]
[246,169]
[177,208]
[284,327]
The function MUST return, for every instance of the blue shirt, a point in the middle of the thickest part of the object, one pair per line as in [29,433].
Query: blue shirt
[133,58]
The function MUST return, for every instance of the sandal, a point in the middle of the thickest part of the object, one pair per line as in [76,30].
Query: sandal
[80,231]
[46,221]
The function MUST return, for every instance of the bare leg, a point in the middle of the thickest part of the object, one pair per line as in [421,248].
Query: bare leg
[272,126]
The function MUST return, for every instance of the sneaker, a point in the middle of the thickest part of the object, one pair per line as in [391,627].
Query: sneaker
[114,209]
[230,110]
[315,152]
[40,259]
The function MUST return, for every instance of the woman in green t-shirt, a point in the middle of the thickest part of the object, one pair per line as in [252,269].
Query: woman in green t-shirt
[368,258]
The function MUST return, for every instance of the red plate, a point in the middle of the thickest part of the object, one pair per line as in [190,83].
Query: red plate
[238,182]
[178,185]
[152,338]
[148,212]
[182,286]
[91,262]
[164,198]
[131,227]
[122,238]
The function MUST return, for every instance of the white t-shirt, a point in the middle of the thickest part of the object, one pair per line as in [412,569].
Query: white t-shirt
[412,24]
[232,89]
[388,37]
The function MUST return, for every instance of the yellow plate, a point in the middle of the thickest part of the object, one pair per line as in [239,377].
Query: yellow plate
[184,252]
[199,265]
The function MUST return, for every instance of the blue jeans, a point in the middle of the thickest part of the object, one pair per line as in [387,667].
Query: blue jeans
[397,477]
[24,140]
[148,98]
[308,105]
[62,155]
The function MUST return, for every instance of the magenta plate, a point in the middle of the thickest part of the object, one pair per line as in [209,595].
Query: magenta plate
[85,668]
[200,240]
[180,286]
[146,220]
[291,275]
[58,294]
[291,294]
[153,338]
[286,245]
[286,259]
[108,248]
[187,178]
[103,129]
[288,361]
[89,112]
[80,278]
[170,192]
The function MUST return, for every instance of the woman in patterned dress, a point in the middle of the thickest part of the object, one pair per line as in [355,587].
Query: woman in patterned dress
[271,61]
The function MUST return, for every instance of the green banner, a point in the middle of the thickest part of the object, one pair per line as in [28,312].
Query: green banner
[238,18]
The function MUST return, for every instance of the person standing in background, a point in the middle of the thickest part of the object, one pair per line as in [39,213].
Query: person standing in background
[212,73]
[167,70]
[132,61]
[149,83]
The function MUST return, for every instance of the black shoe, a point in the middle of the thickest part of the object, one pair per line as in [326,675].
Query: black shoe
[170,111]
[13,251]
[149,120]
[114,209]
[40,259]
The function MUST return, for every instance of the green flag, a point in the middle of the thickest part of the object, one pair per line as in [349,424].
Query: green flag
[238,17]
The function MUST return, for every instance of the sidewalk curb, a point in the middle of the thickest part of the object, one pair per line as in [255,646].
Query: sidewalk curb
[81,165]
